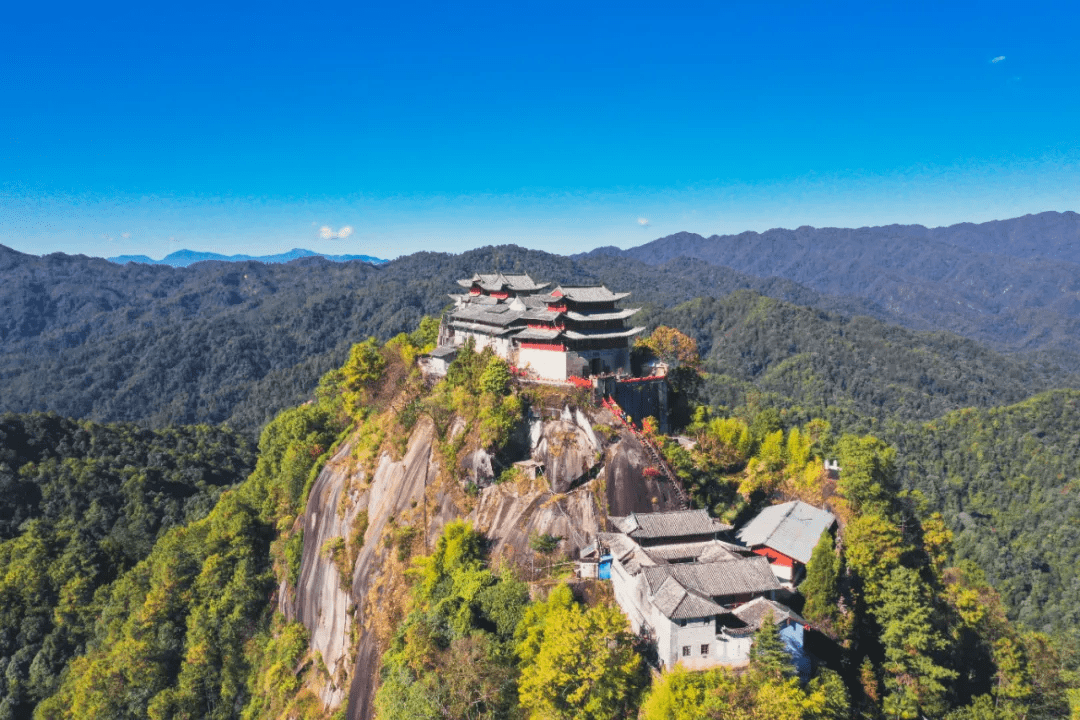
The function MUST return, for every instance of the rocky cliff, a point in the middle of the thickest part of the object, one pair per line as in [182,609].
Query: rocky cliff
[406,502]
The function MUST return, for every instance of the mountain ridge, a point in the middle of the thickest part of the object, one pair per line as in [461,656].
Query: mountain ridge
[1013,284]
[185,257]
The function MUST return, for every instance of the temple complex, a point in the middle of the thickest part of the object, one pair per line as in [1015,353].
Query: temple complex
[569,331]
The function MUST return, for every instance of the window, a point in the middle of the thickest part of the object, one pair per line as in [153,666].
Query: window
[686,651]
[704,651]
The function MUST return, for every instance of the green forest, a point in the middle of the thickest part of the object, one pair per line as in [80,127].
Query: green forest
[139,567]
[238,342]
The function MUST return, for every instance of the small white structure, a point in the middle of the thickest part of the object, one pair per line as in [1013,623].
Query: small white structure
[437,362]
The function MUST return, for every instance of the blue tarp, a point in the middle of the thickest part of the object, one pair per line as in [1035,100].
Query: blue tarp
[604,572]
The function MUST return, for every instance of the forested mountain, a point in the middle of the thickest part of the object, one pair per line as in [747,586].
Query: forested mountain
[236,342]
[906,624]
[82,504]
[855,371]
[1008,479]
[1013,284]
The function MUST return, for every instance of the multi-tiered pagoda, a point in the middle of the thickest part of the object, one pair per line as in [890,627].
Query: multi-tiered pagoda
[571,331]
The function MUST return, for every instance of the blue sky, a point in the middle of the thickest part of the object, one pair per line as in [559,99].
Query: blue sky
[366,128]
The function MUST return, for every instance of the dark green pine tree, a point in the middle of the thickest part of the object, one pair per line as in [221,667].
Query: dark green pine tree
[820,586]
[767,655]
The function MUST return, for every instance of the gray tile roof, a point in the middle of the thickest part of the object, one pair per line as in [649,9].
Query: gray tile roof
[717,579]
[675,524]
[617,315]
[498,281]
[542,313]
[677,603]
[538,335]
[493,330]
[443,351]
[753,612]
[707,551]
[501,314]
[792,528]
[461,299]
[586,294]
[603,334]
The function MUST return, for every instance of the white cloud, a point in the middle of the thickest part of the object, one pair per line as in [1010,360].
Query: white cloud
[328,233]
[998,59]
[643,222]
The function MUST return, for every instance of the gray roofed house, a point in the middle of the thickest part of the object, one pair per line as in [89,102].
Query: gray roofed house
[792,529]
[679,603]
[680,585]
[669,525]
[726,578]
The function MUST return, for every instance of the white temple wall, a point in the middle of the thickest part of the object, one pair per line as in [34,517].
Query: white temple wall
[551,364]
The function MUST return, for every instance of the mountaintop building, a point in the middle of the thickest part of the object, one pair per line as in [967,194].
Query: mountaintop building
[700,597]
[569,331]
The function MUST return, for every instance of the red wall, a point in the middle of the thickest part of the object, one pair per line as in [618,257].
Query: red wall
[775,557]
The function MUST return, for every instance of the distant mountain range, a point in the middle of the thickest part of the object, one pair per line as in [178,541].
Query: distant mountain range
[1013,284]
[183,258]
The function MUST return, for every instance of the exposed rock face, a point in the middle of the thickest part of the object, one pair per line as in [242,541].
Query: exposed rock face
[397,488]
[511,515]
[321,602]
[479,468]
[409,491]
[567,450]
[627,488]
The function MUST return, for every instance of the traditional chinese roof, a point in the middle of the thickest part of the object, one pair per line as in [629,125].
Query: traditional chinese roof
[629,554]
[741,576]
[792,528]
[706,551]
[501,314]
[617,315]
[542,313]
[585,294]
[754,612]
[499,281]
[536,335]
[461,299]
[603,334]
[674,524]
[679,603]
[492,330]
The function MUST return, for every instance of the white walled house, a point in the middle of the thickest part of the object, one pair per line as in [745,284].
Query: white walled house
[681,585]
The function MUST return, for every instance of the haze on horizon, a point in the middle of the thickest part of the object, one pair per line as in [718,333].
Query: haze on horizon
[389,130]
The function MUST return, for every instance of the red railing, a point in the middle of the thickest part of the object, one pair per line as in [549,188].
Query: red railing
[660,465]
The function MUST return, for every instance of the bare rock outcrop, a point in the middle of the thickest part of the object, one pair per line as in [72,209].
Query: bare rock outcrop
[321,601]
[509,515]
[567,453]
[349,625]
